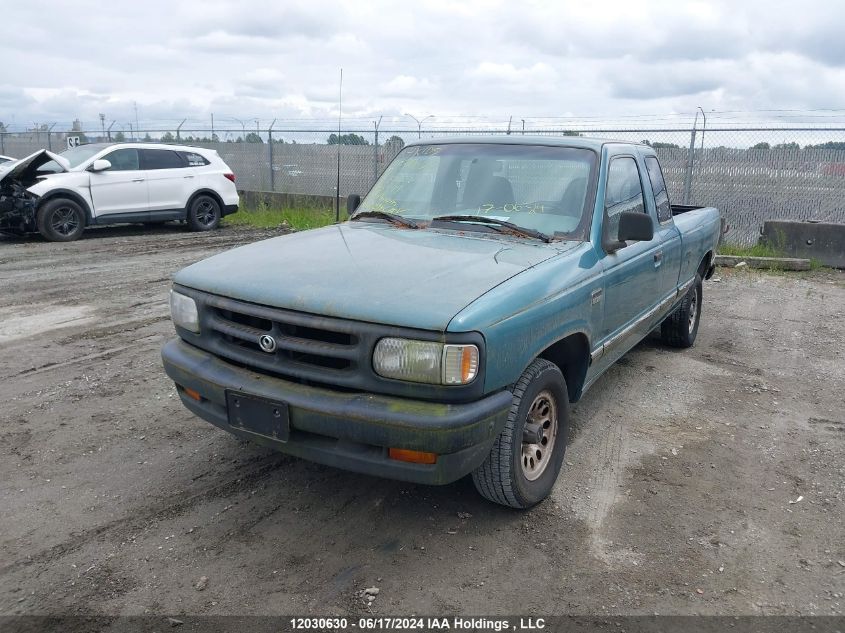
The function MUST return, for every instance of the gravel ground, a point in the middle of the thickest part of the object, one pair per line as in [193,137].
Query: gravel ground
[708,480]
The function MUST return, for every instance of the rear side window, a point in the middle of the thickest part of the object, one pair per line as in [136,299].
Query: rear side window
[194,160]
[161,159]
[123,160]
[658,186]
[624,192]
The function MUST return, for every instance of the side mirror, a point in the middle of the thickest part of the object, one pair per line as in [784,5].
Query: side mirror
[352,203]
[635,226]
[101,164]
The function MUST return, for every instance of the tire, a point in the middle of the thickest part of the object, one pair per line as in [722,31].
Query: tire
[203,214]
[680,328]
[61,220]
[507,476]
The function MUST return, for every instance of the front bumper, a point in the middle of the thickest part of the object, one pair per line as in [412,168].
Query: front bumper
[347,430]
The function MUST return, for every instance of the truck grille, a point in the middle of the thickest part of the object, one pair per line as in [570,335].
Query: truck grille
[309,348]
[315,350]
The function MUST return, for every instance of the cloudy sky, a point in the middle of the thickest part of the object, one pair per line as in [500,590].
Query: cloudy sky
[489,59]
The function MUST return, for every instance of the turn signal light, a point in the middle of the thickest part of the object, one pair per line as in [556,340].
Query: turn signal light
[415,457]
[192,394]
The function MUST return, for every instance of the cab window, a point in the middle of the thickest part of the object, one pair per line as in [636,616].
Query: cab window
[658,186]
[624,192]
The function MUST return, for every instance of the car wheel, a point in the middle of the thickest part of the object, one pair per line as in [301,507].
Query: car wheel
[526,457]
[680,328]
[204,214]
[61,220]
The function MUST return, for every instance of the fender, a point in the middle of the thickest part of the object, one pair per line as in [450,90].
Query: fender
[68,193]
[208,192]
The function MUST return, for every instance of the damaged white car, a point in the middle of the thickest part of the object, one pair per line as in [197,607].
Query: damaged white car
[58,195]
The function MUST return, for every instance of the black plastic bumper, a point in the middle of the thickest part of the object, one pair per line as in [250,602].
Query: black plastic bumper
[347,430]
[229,209]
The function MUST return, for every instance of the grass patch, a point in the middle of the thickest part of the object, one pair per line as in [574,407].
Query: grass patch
[299,218]
[758,250]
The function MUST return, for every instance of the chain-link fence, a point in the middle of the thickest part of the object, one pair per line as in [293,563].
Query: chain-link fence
[750,174]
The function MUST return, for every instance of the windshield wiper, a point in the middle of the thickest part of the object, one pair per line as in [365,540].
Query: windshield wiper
[505,226]
[395,218]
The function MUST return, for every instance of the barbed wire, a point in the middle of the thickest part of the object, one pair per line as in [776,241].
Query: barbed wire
[725,118]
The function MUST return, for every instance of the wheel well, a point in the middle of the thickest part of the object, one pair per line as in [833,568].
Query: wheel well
[205,192]
[704,266]
[572,356]
[70,195]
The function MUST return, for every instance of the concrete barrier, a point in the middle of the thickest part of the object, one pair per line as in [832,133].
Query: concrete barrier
[778,263]
[822,241]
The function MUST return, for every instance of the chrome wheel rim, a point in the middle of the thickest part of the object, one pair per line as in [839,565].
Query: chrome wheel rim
[64,221]
[206,212]
[693,310]
[536,456]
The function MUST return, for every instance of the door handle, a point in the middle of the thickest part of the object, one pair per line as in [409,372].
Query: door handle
[137,180]
[187,176]
[658,258]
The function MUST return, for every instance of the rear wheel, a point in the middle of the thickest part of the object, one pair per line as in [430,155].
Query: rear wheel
[680,328]
[525,460]
[204,214]
[61,220]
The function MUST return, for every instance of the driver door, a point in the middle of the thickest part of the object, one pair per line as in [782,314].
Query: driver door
[632,276]
[120,190]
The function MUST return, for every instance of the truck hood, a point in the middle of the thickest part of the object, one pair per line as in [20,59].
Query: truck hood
[370,272]
[24,170]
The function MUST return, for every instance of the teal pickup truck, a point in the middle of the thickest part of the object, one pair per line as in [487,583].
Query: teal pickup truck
[478,289]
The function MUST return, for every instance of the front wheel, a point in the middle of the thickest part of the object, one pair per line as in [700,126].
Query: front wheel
[61,220]
[680,328]
[526,457]
[203,214]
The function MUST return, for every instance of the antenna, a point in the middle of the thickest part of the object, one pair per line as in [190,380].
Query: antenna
[339,112]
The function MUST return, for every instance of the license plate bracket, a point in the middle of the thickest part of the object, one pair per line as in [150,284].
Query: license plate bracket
[257,415]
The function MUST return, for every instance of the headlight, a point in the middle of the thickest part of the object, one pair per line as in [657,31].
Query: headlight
[183,311]
[425,361]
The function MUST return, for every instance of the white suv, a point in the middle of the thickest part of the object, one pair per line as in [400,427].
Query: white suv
[59,195]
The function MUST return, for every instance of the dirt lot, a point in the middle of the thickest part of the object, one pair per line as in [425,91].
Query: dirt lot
[709,480]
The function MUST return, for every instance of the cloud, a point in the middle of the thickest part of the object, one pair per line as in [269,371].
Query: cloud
[487,58]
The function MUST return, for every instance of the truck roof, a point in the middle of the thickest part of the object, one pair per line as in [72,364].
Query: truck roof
[586,142]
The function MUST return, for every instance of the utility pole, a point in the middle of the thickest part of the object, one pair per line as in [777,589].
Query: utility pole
[137,127]
[212,126]
[103,123]
[108,131]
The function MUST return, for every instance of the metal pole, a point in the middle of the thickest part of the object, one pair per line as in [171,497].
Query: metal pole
[179,129]
[690,162]
[339,113]
[108,131]
[270,143]
[49,134]
[3,142]
[375,151]
[212,126]
[510,120]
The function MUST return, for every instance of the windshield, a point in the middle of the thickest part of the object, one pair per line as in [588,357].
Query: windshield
[533,186]
[75,156]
